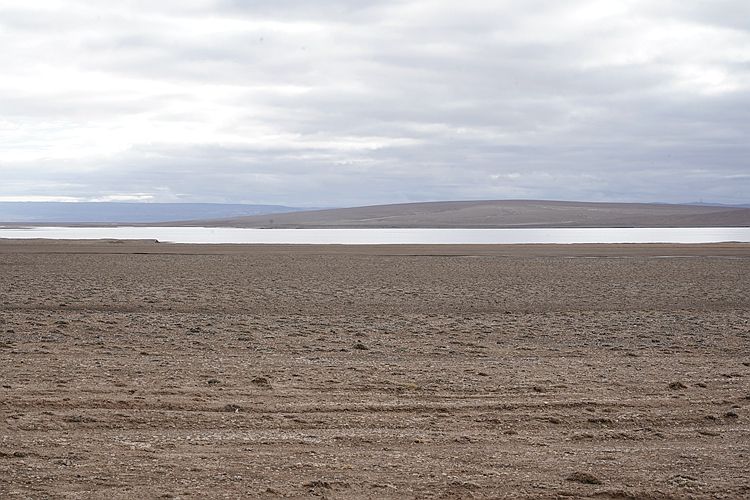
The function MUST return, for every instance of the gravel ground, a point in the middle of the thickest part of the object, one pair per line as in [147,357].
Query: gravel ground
[141,370]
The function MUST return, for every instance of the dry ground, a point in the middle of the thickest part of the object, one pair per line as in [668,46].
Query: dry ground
[139,370]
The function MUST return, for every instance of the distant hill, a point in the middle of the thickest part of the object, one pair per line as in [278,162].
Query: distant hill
[114,213]
[706,204]
[498,214]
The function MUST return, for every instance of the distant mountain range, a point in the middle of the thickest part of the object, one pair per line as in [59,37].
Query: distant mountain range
[701,203]
[121,213]
[444,214]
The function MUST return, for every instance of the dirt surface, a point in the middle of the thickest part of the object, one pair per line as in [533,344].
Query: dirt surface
[141,370]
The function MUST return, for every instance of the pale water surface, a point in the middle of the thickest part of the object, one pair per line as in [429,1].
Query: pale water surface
[389,236]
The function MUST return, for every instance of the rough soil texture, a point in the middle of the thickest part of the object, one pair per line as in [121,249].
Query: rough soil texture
[499,214]
[141,370]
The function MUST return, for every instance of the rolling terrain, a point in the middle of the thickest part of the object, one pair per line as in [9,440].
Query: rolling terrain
[498,214]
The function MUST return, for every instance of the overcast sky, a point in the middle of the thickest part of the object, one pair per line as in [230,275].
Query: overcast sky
[352,102]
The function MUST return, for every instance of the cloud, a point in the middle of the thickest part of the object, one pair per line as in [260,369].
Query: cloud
[348,102]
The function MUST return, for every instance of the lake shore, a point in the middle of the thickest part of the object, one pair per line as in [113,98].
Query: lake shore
[572,250]
[382,236]
[144,369]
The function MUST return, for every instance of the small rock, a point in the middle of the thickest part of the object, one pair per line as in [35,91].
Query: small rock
[463,439]
[261,382]
[464,484]
[683,480]
[584,478]
[704,432]
[318,484]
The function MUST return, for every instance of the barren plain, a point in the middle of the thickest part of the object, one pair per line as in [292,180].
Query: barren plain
[143,370]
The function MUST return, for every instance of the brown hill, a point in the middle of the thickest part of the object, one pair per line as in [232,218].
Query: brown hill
[498,214]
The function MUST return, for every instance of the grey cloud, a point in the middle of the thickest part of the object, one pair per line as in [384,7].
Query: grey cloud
[340,103]
[721,13]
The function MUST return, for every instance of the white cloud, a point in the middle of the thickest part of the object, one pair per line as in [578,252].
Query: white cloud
[124,197]
[68,199]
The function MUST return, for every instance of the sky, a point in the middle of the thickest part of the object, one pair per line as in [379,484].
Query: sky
[343,103]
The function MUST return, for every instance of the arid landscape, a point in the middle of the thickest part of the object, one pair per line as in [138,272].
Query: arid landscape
[143,370]
[374,250]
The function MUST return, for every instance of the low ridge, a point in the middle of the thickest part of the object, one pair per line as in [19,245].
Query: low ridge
[498,214]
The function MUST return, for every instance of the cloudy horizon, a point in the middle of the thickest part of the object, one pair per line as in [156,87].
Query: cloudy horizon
[346,103]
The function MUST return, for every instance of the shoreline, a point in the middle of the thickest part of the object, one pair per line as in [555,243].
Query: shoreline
[115,246]
[530,225]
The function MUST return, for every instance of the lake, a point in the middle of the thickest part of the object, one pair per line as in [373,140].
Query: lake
[389,236]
